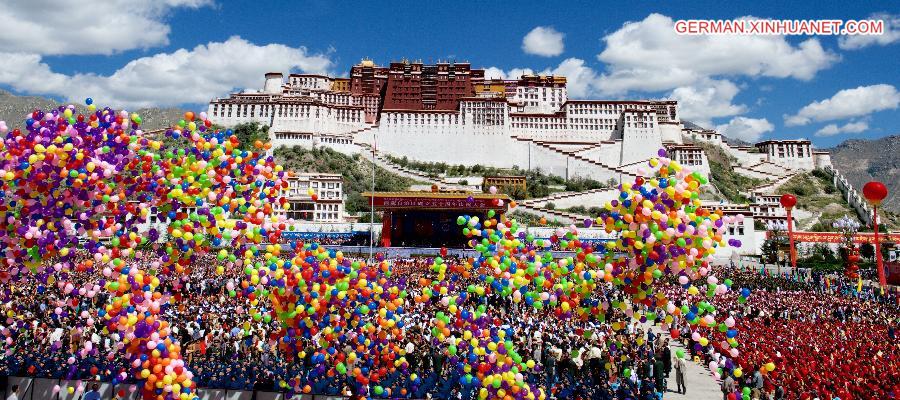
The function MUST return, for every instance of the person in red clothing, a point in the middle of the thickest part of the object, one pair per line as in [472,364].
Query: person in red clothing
[824,344]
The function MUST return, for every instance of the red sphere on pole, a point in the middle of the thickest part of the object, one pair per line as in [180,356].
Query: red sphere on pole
[875,192]
[788,201]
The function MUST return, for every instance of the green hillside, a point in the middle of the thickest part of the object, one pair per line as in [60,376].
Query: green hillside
[357,172]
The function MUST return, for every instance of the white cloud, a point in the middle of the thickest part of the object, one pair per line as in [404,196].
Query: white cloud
[649,56]
[499,73]
[165,79]
[494,73]
[891,34]
[543,41]
[707,100]
[517,73]
[86,27]
[580,79]
[847,103]
[850,127]
[746,129]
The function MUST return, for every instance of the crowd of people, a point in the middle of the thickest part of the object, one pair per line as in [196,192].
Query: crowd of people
[828,338]
[48,336]
[848,349]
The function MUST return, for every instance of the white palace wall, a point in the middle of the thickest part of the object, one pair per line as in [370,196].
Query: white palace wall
[469,145]
[609,152]
[340,144]
[744,157]
[318,125]
[300,118]
[670,132]
[639,144]
[454,144]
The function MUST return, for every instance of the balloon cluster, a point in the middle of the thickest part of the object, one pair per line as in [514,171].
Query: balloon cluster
[661,230]
[76,183]
[349,309]
[86,182]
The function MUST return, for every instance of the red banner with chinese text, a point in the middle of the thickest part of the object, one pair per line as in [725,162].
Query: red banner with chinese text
[834,237]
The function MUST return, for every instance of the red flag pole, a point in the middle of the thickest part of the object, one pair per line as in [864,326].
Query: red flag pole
[878,262]
[875,192]
[791,239]
[788,201]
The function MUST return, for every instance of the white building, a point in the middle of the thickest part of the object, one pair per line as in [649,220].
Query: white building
[767,209]
[326,206]
[529,122]
[744,231]
[794,154]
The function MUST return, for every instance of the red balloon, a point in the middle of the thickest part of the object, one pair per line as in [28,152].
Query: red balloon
[788,200]
[875,192]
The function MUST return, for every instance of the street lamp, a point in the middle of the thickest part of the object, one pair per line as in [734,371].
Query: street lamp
[788,201]
[875,192]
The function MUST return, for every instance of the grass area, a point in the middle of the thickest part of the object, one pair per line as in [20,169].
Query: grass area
[533,220]
[589,211]
[816,193]
[357,172]
[734,186]
[540,184]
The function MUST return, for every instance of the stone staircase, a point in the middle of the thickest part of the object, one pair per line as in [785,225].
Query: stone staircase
[574,154]
[771,186]
[380,160]
[570,196]
[562,216]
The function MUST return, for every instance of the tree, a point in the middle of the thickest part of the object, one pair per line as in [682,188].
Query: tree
[514,191]
[867,250]
[824,251]
[248,133]
[772,244]
[759,225]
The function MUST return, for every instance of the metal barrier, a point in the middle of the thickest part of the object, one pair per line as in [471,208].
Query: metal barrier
[43,389]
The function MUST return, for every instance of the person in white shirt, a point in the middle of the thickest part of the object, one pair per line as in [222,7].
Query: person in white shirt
[15,393]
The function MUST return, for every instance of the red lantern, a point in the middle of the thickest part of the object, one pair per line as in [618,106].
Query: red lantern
[875,192]
[852,269]
[788,200]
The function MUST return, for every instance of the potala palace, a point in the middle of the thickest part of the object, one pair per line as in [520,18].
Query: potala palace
[450,112]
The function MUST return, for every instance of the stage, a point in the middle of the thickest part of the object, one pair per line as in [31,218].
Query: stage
[428,219]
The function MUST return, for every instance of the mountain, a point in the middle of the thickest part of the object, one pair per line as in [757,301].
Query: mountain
[14,110]
[862,161]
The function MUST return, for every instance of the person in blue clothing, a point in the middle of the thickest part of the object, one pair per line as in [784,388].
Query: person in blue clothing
[93,394]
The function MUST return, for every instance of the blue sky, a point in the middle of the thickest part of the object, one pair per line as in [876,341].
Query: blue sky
[183,52]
